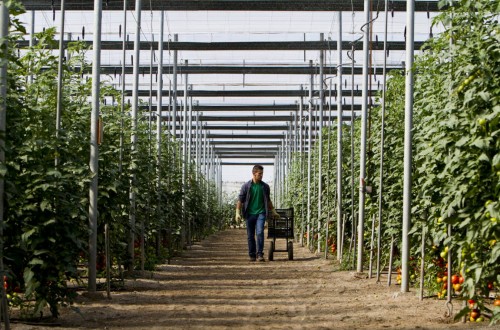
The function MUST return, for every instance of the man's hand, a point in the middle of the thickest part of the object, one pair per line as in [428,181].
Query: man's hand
[238,216]
[275,214]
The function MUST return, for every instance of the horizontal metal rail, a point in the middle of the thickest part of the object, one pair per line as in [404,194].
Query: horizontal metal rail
[230,5]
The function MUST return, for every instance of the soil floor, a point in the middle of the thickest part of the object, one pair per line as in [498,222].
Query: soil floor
[213,285]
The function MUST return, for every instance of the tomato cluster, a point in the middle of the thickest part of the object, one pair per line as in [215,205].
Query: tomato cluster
[475,313]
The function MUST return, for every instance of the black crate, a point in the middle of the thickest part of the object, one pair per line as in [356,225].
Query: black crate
[282,227]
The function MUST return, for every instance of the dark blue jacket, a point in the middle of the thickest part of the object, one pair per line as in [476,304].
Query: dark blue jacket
[244,196]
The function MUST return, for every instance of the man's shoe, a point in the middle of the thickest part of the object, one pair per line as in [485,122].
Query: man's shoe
[252,258]
[261,258]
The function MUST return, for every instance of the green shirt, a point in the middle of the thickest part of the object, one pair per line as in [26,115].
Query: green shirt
[256,204]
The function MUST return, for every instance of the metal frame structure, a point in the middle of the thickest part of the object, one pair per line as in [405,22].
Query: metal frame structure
[284,133]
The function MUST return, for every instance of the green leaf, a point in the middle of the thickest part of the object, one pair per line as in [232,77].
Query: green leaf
[44,205]
[477,273]
[26,235]
[496,161]
[495,254]
[3,170]
[39,252]
[54,173]
[36,261]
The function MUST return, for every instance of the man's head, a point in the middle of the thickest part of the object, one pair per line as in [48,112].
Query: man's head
[257,173]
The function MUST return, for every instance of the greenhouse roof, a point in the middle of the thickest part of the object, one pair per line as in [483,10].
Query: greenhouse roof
[246,64]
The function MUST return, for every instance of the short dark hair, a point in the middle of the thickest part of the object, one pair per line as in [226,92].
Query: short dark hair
[257,167]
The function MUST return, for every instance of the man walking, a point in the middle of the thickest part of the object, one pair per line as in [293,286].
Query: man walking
[255,200]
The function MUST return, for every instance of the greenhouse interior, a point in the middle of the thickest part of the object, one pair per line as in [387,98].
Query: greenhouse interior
[130,129]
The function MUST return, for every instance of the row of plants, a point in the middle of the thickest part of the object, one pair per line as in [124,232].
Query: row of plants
[46,204]
[456,164]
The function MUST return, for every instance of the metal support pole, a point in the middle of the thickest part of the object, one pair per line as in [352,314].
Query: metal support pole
[353,188]
[309,157]
[320,138]
[295,130]
[94,147]
[190,129]
[135,105]
[391,254]
[4,32]
[382,141]
[174,92]
[301,155]
[60,75]
[31,41]
[362,154]
[159,103]
[205,157]
[122,105]
[197,146]
[185,227]
[339,138]
[422,266]
[405,243]
[328,205]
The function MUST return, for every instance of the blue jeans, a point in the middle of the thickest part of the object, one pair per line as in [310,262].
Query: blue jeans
[255,222]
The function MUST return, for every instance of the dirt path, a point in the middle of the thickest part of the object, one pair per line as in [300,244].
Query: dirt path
[214,286]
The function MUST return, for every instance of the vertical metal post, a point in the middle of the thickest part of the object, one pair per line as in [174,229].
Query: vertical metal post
[391,254]
[94,147]
[190,129]
[339,138]
[205,147]
[295,130]
[422,266]
[31,41]
[301,155]
[174,92]
[382,141]
[135,105]
[184,120]
[320,138]
[159,106]
[60,75]
[309,156]
[184,233]
[122,105]
[362,155]
[328,206]
[4,32]
[352,149]
[197,146]
[405,244]
[449,226]
[370,264]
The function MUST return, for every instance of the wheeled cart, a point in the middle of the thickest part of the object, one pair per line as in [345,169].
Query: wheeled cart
[281,228]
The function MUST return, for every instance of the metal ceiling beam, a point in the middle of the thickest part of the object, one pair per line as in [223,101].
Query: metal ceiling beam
[228,69]
[278,136]
[246,127]
[268,118]
[245,93]
[272,148]
[245,143]
[243,108]
[246,155]
[236,45]
[240,151]
[230,5]
[235,163]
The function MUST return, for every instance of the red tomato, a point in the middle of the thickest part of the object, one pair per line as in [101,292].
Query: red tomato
[475,313]
[497,302]
[461,280]
[455,279]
